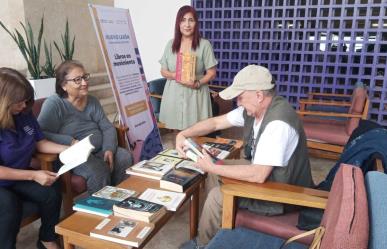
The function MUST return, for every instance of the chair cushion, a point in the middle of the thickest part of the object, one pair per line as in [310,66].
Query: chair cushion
[78,184]
[241,238]
[376,183]
[328,131]
[283,226]
[346,215]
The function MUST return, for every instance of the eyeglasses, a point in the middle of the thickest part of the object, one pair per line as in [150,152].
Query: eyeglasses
[78,80]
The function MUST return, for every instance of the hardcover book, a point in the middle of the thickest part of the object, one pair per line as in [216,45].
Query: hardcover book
[139,209]
[122,230]
[171,200]
[94,205]
[179,180]
[114,193]
[185,67]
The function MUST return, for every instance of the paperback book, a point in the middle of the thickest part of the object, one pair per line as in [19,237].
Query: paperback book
[194,151]
[179,180]
[166,160]
[185,67]
[95,205]
[150,169]
[139,209]
[114,193]
[187,164]
[218,150]
[171,200]
[122,230]
[170,153]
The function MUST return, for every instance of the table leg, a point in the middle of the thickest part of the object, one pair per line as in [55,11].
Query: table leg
[66,244]
[194,214]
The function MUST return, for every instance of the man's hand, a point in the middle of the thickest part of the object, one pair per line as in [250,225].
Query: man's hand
[180,144]
[44,177]
[206,164]
[108,158]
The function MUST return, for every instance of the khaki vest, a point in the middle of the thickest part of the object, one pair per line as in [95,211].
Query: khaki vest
[298,171]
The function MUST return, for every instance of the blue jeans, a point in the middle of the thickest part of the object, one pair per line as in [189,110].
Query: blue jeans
[48,199]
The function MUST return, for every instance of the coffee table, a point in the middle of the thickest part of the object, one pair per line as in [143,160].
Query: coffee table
[76,228]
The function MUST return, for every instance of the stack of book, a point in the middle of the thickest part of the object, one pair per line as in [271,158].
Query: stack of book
[101,202]
[122,230]
[179,179]
[171,200]
[139,209]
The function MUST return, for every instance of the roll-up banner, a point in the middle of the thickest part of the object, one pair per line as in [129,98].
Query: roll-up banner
[123,63]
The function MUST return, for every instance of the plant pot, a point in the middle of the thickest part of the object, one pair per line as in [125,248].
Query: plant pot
[43,87]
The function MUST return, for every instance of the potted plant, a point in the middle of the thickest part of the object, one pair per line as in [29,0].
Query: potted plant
[68,46]
[30,49]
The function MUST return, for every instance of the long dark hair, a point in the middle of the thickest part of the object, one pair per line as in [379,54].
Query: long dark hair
[196,35]
[61,72]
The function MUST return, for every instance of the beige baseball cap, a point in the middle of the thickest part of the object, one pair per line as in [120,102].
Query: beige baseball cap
[252,77]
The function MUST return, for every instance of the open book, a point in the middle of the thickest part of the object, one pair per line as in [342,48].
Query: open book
[75,155]
[195,150]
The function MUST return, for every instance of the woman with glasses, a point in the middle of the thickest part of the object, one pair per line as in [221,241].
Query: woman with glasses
[73,114]
[20,136]
[185,102]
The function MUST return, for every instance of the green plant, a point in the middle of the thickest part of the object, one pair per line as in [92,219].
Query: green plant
[27,46]
[49,67]
[68,46]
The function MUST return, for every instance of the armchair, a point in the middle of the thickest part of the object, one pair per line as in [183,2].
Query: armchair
[326,134]
[156,89]
[72,185]
[345,218]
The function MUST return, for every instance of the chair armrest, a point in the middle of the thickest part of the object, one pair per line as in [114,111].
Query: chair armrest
[324,102]
[46,160]
[311,95]
[121,135]
[157,96]
[330,114]
[269,191]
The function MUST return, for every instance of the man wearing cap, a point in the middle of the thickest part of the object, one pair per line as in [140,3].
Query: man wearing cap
[275,147]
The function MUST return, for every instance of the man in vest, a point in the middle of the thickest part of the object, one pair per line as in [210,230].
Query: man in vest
[275,147]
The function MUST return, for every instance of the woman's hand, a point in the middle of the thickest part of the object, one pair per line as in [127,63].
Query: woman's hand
[108,158]
[190,84]
[44,177]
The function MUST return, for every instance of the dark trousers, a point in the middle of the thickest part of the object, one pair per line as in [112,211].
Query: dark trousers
[48,199]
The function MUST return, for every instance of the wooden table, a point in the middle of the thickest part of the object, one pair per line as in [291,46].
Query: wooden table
[76,228]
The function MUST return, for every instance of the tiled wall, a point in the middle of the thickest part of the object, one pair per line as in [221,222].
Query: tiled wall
[308,45]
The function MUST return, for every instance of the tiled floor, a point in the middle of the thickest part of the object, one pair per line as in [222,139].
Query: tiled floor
[176,231]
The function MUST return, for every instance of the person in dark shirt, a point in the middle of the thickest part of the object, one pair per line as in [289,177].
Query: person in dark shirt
[20,137]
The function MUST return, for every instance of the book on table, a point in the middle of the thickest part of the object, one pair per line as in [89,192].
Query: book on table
[122,230]
[139,209]
[170,153]
[150,169]
[114,193]
[171,200]
[188,164]
[95,205]
[185,66]
[75,155]
[179,180]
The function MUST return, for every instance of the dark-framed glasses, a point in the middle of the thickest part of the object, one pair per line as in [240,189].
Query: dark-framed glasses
[78,80]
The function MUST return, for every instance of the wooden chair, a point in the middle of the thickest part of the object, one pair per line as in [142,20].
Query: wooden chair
[345,217]
[326,135]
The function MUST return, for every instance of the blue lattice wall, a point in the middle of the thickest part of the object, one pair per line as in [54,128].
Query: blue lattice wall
[308,45]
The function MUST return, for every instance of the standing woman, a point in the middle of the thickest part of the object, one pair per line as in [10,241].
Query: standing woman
[186,103]
[20,136]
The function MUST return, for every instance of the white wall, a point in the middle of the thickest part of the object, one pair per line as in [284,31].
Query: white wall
[153,23]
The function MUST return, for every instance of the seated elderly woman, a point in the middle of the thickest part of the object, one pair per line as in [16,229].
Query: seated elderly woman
[72,114]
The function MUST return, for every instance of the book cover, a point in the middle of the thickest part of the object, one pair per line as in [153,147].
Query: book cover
[75,155]
[195,150]
[185,67]
[171,153]
[94,205]
[122,230]
[152,167]
[135,206]
[187,164]
[166,160]
[114,193]
[171,200]
[179,179]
